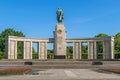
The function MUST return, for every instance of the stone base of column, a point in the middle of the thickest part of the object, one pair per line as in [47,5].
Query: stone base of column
[59,57]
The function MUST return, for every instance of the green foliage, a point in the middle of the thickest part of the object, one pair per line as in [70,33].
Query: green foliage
[33,50]
[19,56]
[117,55]
[99,44]
[69,56]
[2,55]
[4,34]
[8,32]
[69,52]
[84,56]
[101,35]
[100,56]
[69,49]
[117,45]
[117,42]
[50,54]
[34,54]
[19,50]
[84,48]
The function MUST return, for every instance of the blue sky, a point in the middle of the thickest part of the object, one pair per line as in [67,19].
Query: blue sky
[82,18]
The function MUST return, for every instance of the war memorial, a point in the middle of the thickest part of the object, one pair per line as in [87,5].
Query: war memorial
[61,68]
[59,42]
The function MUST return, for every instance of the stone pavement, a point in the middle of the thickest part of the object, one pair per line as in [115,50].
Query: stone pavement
[65,74]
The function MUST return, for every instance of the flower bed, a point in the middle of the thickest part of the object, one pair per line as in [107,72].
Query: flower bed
[115,70]
[14,71]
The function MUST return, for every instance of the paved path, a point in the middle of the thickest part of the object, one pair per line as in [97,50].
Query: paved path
[66,74]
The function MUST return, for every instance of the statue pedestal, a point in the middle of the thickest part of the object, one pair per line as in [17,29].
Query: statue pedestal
[60,41]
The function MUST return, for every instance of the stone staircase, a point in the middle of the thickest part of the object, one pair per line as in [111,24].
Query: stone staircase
[58,64]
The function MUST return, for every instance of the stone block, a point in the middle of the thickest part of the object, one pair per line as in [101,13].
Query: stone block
[59,57]
[97,63]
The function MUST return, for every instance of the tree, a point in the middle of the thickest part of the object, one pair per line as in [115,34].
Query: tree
[8,32]
[50,54]
[69,49]
[69,52]
[99,44]
[84,48]
[117,45]
[117,42]
[101,35]
[34,54]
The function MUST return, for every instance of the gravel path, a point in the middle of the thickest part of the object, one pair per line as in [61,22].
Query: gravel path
[65,74]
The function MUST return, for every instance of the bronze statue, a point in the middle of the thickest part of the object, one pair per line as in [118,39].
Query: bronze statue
[59,15]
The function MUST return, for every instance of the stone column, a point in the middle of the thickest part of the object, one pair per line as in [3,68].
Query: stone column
[90,50]
[43,50]
[74,51]
[24,57]
[106,49]
[112,47]
[77,52]
[27,50]
[8,48]
[39,56]
[15,48]
[95,50]
[80,50]
[12,54]
[60,42]
[11,50]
